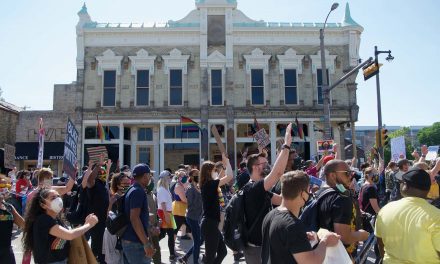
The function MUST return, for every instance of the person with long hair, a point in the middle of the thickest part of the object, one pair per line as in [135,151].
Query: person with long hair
[193,215]
[164,210]
[210,183]
[45,234]
[180,202]
[111,247]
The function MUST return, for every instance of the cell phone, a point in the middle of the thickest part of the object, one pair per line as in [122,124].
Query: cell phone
[315,181]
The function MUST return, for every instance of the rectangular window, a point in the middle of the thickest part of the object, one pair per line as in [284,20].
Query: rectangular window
[216,87]
[176,132]
[145,134]
[176,87]
[109,97]
[142,87]
[319,78]
[290,91]
[257,87]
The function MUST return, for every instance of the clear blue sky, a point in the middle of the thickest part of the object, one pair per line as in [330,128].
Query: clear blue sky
[38,48]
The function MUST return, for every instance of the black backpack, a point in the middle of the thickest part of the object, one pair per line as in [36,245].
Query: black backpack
[310,213]
[117,220]
[234,229]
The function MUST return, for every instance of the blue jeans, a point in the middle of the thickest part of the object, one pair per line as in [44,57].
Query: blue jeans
[195,249]
[134,253]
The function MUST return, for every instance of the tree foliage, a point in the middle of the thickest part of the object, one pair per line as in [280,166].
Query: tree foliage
[430,136]
[404,131]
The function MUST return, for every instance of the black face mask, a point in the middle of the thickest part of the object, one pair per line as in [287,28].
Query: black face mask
[309,197]
[266,170]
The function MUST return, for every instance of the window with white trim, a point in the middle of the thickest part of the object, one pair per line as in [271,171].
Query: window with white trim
[216,87]
[290,87]
[257,86]
[142,87]
[109,88]
[176,87]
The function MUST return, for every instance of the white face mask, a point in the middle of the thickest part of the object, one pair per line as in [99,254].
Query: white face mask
[47,183]
[214,175]
[56,205]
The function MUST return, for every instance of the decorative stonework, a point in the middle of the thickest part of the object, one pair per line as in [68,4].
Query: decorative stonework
[142,61]
[176,61]
[290,60]
[329,61]
[257,60]
[216,61]
[109,61]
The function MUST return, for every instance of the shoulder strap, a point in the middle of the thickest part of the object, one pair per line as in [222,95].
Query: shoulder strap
[125,196]
[324,193]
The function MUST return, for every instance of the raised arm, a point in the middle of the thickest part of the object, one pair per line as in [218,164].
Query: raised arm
[280,163]
[229,174]
[92,177]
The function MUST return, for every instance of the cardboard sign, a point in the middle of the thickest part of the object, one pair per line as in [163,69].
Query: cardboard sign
[96,152]
[262,138]
[9,158]
[70,147]
[324,145]
[218,139]
[432,153]
[398,148]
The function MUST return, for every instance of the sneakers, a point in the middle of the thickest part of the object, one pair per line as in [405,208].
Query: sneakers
[238,256]
[173,257]
[185,237]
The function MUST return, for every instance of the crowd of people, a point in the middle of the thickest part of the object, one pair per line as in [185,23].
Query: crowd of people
[397,205]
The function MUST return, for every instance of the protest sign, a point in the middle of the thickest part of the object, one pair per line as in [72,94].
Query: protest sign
[41,133]
[70,147]
[96,152]
[9,158]
[398,148]
[218,139]
[262,138]
[324,145]
[432,153]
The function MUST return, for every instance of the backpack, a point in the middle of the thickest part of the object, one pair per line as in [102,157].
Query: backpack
[234,228]
[117,220]
[310,213]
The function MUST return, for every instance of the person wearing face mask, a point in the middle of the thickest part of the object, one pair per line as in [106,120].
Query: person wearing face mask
[337,210]
[45,234]
[22,187]
[215,248]
[164,211]
[136,243]
[368,195]
[8,217]
[193,216]
[111,246]
[389,182]
[285,239]
[180,203]
[258,198]
[154,225]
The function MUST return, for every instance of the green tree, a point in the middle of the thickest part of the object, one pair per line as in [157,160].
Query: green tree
[430,136]
[408,147]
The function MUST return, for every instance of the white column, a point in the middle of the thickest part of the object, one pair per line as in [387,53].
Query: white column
[162,147]
[133,146]
[312,139]
[156,137]
[273,142]
[121,144]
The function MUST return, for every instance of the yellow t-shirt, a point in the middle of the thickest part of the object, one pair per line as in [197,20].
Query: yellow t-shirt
[410,231]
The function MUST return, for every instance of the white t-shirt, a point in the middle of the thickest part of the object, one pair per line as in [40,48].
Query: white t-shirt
[164,196]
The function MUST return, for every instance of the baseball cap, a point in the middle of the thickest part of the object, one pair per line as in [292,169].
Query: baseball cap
[140,169]
[402,162]
[327,159]
[164,173]
[417,178]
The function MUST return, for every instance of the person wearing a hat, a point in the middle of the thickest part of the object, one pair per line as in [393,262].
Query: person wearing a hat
[408,230]
[136,245]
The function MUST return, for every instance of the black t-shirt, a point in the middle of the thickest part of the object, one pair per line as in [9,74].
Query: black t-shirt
[98,200]
[211,204]
[335,208]
[6,224]
[47,248]
[256,199]
[368,192]
[283,236]
[242,179]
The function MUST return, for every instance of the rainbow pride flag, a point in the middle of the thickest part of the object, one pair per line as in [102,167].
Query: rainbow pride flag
[187,124]
[300,132]
[101,131]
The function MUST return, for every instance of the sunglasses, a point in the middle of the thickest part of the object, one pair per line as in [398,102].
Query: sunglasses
[346,172]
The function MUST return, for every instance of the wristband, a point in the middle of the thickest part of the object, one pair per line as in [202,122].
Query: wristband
[423,156]
[285,146]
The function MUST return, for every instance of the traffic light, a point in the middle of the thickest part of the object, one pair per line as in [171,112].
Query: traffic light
[370,70]
[377,138]
[384,137]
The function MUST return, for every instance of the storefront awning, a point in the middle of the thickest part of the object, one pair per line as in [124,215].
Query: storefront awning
[29,150]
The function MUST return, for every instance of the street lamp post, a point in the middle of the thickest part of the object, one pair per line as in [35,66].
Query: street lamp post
[325,88]
[379,106]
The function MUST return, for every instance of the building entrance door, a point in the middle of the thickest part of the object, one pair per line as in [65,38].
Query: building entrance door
[145,154]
